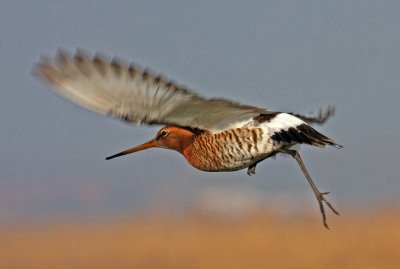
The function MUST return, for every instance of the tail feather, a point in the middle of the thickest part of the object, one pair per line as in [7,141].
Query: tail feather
[315,137]
[290,129]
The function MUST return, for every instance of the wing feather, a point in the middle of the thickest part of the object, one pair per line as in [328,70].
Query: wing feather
[135,95]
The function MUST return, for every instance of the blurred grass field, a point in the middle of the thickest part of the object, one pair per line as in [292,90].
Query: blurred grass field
[206,241]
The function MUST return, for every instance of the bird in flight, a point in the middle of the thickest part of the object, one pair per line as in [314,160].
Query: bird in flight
[212,134]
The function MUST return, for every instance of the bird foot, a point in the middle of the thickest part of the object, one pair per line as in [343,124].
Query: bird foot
[321,200]
[251,170]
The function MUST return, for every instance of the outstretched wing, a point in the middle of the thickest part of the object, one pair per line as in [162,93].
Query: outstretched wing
[135,95]
[321,118]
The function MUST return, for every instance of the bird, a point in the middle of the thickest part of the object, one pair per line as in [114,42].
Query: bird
[213,134]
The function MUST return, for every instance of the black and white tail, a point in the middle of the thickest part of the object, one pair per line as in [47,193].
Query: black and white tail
[290,129]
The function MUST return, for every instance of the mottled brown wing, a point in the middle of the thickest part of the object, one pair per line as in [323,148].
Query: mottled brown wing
[134,95]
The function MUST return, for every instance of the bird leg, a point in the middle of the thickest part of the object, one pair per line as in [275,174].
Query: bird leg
[320,196]
[251,170]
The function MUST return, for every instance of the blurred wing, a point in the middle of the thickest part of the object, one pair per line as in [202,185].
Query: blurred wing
[135,95]
[320,118]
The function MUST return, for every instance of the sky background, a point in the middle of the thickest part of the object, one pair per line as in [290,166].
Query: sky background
[294,56]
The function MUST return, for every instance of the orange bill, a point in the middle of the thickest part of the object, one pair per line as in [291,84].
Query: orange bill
[151,144]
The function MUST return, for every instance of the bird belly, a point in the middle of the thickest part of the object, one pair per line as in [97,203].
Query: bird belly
[230,150]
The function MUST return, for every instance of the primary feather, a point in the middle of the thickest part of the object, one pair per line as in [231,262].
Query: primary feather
[135,95]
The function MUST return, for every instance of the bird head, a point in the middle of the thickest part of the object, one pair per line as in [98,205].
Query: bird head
[169,137]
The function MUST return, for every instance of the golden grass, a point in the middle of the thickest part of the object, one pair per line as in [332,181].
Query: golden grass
[200,241]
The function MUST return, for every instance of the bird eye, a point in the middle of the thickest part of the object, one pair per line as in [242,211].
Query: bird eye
[164,133]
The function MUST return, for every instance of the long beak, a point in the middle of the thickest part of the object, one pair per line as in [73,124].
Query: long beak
[151,144]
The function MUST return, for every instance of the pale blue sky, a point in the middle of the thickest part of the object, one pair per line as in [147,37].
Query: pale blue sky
[286,55]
